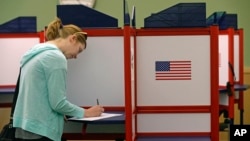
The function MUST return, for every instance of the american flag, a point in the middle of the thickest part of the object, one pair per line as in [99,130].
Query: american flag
[173,70]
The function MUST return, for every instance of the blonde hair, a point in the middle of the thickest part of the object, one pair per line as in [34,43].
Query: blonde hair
[56,30]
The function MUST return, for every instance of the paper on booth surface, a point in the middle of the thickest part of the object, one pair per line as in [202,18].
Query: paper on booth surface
[103,115]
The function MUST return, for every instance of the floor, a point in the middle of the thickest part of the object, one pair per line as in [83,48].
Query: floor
[224,136]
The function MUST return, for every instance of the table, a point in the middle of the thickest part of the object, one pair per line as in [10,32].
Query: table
[111,120]
[7,90]
[237,87]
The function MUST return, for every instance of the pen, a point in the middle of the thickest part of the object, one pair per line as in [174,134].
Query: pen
[97,101]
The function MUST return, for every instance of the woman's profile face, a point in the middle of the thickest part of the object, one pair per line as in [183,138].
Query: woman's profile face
[74,48]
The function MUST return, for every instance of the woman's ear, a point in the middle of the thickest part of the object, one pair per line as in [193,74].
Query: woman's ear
[72,38]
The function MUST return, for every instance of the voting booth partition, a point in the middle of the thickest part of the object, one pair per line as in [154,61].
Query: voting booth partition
[239,69]
[226,78]
[176,85]
[98,72]
[130,82]
[231,72]
[12,47]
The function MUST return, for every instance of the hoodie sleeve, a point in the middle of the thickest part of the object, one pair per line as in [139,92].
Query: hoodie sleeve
[57,95]
[55,66]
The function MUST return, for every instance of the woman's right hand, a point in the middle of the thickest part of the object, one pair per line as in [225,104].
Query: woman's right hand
[94,111]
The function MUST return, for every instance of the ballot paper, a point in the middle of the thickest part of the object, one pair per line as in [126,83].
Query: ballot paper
[104,115]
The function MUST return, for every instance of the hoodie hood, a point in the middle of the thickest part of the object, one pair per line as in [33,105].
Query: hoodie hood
[36,50]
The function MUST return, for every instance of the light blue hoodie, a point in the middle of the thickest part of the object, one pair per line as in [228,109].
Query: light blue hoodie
[42,102]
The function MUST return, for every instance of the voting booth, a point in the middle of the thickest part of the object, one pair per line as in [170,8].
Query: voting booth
[165,81]
[227,24]
[174,84]
[226,77]
[231,72]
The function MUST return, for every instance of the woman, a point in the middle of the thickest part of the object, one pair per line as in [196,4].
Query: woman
[42,104]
